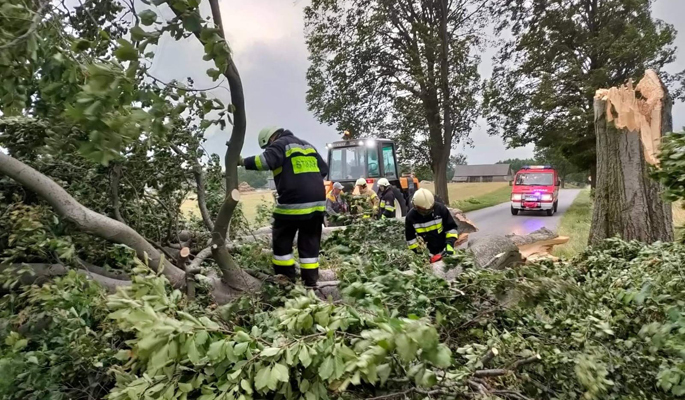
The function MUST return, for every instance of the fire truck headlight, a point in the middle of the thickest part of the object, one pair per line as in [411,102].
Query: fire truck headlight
[546,197]
[516,197]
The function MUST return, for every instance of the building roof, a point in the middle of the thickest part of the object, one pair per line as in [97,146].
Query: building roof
[482,170]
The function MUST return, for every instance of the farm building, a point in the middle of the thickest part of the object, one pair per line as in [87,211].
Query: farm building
[482,173]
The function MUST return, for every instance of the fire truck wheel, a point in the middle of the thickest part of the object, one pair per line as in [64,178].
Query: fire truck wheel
[556,204]
[514,211]
[550,212]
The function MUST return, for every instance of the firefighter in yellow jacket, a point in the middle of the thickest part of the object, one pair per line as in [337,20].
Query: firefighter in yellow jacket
[365,190]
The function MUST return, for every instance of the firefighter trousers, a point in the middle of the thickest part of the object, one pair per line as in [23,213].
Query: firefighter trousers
[308,242]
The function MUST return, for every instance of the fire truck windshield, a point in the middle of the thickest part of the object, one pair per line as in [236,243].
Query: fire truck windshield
[535,179]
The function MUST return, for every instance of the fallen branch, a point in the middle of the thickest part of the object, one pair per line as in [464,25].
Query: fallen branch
[86,219]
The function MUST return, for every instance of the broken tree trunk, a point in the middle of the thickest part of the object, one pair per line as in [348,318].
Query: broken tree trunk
[629,124]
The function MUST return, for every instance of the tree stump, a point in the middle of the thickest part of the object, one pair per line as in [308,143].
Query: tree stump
[629,124]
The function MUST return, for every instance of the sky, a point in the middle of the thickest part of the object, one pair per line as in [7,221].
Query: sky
[267,40]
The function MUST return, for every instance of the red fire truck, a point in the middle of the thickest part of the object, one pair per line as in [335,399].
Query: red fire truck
[535,188]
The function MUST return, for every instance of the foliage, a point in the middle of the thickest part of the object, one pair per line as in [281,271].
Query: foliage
[388,71]
[517,163]
[606,324]
[66,344]
[672,165]
[545,78]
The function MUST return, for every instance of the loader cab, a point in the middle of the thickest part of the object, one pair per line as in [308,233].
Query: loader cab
[371,159]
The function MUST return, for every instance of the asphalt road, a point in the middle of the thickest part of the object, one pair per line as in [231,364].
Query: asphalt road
[498,219]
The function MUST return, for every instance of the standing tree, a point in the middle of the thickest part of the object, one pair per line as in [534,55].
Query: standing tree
[403,70]
[79,104]
[543,86]
[630,123]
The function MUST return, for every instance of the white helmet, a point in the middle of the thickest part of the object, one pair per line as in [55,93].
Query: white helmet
[265,134]
[360,182]
[383,182]
[423,199]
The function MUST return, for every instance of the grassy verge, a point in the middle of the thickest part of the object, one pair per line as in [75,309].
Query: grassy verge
[498,196]
[575,223]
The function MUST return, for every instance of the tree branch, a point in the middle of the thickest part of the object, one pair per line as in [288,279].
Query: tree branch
[86,219]
[41,272]
[114,178]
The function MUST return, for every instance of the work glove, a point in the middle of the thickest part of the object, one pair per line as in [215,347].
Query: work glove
[241,161]
[449,250]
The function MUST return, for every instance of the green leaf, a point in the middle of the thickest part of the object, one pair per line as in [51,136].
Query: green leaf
[192,22]
[281,372]
[147,17]
[304,357]
[261,380]
[240,348]
[678,390]
[270,351]
[125,51]
[406,347]
[137,33]
[193,353]
[185,387]
[213,73]
[383,372]
[245,384]
[216,351]
[326,368]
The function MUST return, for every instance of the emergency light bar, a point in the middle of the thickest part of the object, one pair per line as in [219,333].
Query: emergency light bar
[537,167]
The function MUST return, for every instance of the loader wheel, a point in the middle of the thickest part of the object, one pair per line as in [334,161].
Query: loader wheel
[399,205]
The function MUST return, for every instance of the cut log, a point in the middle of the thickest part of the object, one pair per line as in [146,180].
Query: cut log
[495,252]
[629,124]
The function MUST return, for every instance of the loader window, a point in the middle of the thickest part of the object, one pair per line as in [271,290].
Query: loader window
[372,157]
[389,162]
[346,163]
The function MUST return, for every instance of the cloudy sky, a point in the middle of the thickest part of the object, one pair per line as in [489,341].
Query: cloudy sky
[267,40]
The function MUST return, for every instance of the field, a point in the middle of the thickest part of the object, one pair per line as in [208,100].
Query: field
[248,200]
[474,196]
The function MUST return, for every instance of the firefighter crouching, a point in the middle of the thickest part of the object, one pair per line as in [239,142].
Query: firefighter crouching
[298,170]
[431,221]
[365,190]
[387,199]
[335,204]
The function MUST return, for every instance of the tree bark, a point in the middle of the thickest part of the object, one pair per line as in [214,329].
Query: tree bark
[86,219]
[628,202]
[439,168]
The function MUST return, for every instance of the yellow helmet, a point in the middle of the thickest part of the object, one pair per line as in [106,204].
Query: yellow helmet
[360,182]
[383,182]
[423,199]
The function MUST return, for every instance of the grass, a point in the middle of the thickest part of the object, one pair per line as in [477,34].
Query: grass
[248,200]
[489,199]
[465,191]
[575,223]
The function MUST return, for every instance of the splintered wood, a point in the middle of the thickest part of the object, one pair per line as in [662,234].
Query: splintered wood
[638,113]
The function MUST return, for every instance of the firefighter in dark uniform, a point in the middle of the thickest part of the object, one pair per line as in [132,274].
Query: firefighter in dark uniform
[298,171]
[431,221]
[387,197]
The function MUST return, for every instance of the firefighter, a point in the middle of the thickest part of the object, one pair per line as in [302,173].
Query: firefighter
[387,199]
[298,171]
[431,221]
[335,204]
[365,190]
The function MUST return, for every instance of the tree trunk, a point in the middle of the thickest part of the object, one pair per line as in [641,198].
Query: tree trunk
[628,202]
[439,168]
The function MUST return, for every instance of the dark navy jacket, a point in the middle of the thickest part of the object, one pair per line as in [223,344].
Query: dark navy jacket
[298,174]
